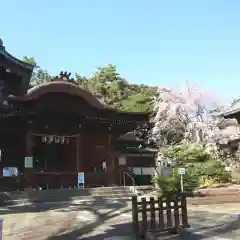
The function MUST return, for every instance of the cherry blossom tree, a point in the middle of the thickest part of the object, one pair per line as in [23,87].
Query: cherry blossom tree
[192,115]
[183,114]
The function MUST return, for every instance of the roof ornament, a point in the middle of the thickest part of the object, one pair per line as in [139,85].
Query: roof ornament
[64,76]
[1,44]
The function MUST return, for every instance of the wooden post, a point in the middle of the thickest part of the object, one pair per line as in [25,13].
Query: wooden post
[135,217]
[110,161]
[28,174]
[160,213]
[144,218]
[169,212]
[78,142]
[152,213]
[176,212]
[184,211]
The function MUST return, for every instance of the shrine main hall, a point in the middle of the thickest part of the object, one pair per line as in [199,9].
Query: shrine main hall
[52,132]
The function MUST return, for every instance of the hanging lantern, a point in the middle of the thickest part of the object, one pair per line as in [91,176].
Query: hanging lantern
[50,139]
[62,139]
[56,139]
[44,139]
[67,141]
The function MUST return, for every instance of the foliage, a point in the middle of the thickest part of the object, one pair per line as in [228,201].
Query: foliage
[138,102]
[212,169]
[196,176]
[108,86]
[206,181]
[171,185]
[30,60]
[201,169]
[39,75]
[186,153]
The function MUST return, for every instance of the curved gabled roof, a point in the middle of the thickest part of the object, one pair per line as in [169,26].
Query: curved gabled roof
[63,87]
[9,57]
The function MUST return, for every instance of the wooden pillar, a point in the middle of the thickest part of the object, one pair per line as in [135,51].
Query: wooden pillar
[21,151]
[110,161]
[29,144]
[28,173]
[78,143]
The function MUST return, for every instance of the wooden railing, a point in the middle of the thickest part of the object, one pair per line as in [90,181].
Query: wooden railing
[126,174]
[161,215]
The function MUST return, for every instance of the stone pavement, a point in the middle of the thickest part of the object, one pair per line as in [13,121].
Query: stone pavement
[219,222]
[66,221]
[108,220]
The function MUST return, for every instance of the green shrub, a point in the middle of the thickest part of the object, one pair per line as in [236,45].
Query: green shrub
[186,153]
[166,186]
[199,175]
[211,169]
[201,169]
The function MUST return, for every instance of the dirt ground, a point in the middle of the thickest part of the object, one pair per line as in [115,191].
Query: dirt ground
[220,199]
[110,218]
[106,220]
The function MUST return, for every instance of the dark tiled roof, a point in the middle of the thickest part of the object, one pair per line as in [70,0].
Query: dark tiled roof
[8,56]
[130,136]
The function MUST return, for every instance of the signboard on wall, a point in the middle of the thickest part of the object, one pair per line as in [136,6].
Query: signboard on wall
[10,172]
[28,162]
[104,165]
[81,180]
[122,160]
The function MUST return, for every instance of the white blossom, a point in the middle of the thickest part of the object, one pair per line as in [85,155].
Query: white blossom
[189,114]
[183,111]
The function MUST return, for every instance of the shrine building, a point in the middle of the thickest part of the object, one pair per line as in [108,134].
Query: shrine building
[52,132]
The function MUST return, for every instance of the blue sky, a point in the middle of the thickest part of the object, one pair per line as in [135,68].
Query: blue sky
[156,42]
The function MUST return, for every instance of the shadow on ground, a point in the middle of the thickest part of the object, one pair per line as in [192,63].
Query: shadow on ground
[117,228]
[61,206]
[108,221]
[94,213]
[229,229]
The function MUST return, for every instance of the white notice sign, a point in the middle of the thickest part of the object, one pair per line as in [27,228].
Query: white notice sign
[181,171]
[28,162]
[81,179]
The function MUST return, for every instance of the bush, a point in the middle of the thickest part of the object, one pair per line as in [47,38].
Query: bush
[201,170]
[186,153]
[206,182]
[199,175]
[211,169]
[167,186]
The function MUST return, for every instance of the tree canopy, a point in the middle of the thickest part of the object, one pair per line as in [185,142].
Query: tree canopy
[108,85]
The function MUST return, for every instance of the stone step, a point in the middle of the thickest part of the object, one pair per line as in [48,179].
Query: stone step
[67,195]
[62,201]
